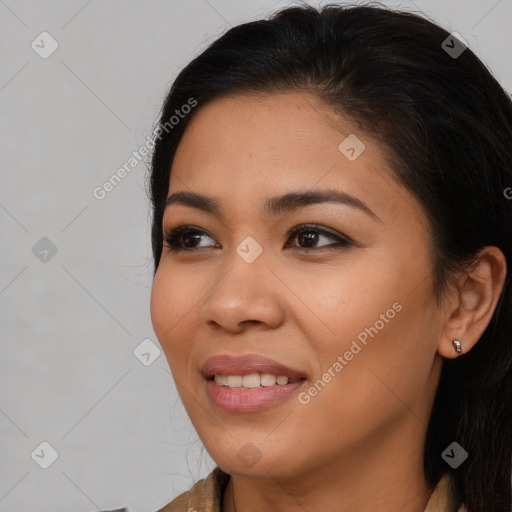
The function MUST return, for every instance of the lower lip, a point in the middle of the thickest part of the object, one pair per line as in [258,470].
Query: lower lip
[249,400]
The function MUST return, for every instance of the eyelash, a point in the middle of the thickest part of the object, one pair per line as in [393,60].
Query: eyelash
[173,234]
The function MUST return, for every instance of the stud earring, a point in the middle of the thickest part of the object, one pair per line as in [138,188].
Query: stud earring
[456,346]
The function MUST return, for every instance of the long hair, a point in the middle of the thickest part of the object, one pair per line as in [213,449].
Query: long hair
[445,125]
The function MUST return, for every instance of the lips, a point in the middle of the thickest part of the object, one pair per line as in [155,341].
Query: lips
[245,365]
[232,398]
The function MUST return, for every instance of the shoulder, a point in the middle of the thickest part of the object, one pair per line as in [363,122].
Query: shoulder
[204,496]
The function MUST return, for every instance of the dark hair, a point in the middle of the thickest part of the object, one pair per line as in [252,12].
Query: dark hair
[446,127]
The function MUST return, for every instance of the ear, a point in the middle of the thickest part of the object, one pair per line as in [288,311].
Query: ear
[469,312]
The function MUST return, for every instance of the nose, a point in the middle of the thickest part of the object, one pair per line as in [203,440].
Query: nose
[246,294]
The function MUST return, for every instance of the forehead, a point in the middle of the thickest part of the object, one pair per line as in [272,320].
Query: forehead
[245,148]
[279,129]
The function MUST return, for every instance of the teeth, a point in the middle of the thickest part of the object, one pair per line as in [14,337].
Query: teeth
[252,380]
[267,379]
[234,381]
[221,380]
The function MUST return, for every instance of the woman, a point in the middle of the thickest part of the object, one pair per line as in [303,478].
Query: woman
[331,235]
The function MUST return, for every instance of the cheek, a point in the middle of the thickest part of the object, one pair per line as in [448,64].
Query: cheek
[173,295]
[370,315]
[340,303]
[159,307]
[168,307]
[387,357]
[374,384]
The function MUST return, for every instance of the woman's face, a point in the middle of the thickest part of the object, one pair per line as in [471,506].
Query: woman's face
[350,309]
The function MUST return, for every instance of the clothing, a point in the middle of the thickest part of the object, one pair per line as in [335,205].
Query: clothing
[206,496]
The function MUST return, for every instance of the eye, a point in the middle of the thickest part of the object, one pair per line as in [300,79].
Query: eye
[310,234]
[186,238]
[189,235]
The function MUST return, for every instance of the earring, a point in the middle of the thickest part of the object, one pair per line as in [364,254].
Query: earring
[456,346]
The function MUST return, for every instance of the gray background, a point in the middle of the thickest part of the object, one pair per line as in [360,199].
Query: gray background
[70,324]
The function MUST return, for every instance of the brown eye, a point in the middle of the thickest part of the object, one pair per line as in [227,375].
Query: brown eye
[308,236]
[188,238]
[185,238]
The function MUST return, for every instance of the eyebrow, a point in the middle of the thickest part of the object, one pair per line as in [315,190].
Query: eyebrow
[274,205]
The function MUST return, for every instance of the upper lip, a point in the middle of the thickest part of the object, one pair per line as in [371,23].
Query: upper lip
[246,364]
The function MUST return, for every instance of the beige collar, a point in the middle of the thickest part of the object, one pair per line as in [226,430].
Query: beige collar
[441,499]
[206,496]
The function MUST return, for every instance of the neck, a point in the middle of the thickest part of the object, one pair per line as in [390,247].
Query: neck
[366,482]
